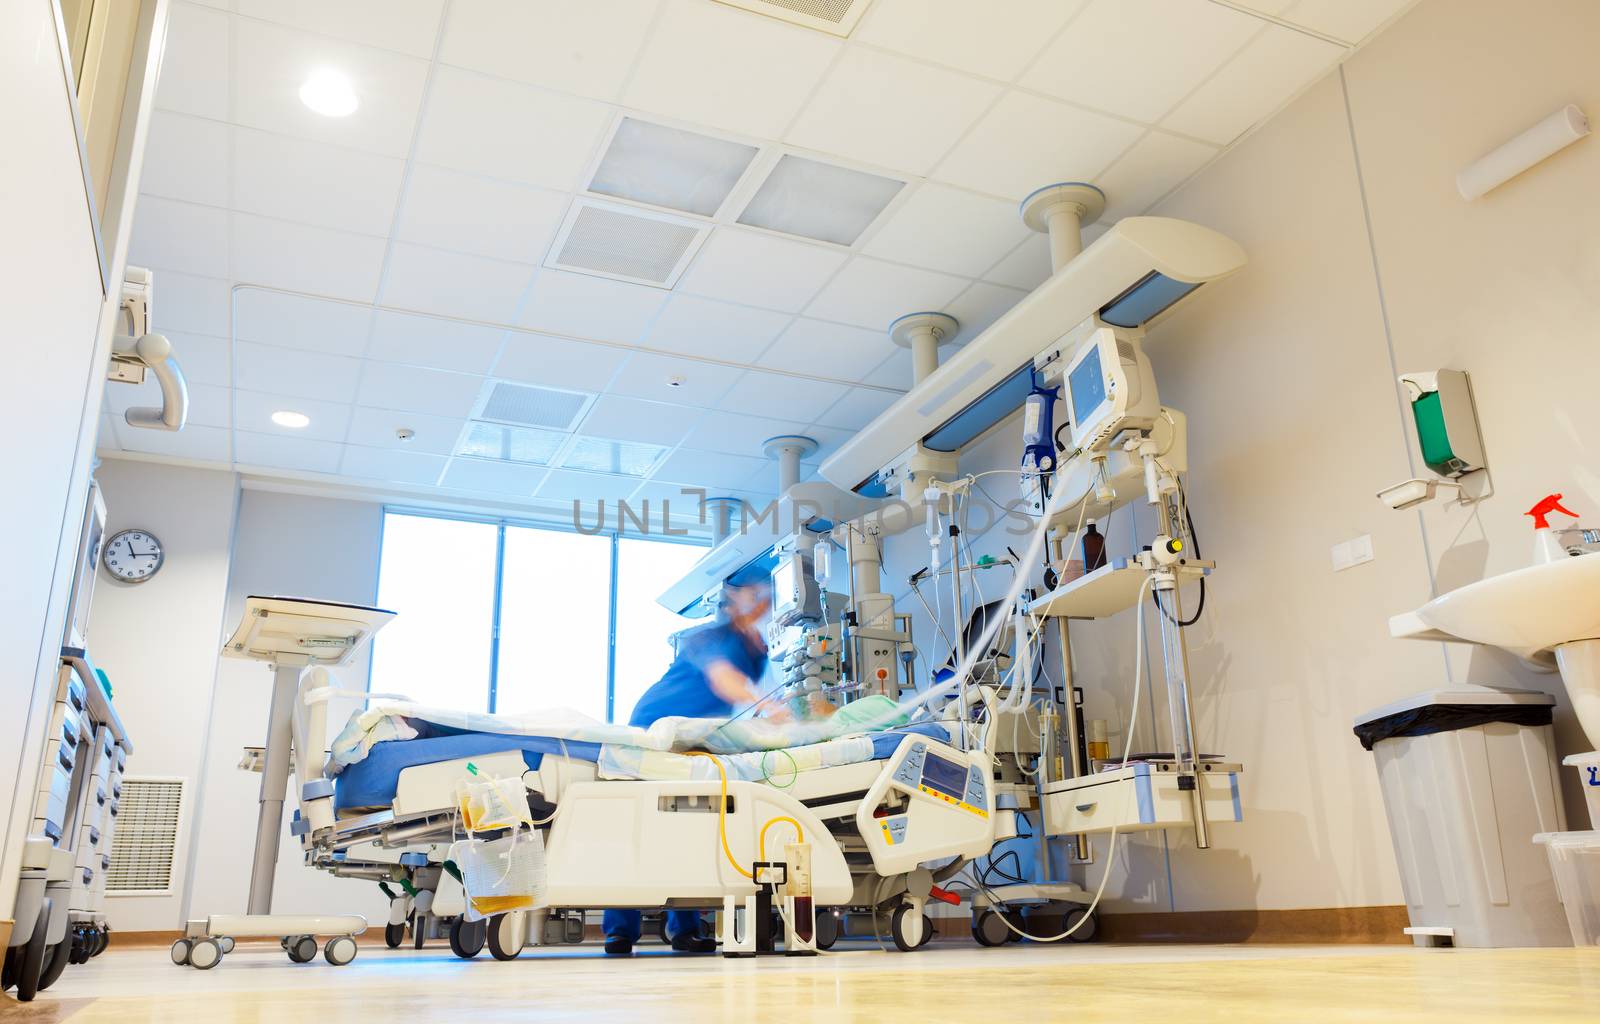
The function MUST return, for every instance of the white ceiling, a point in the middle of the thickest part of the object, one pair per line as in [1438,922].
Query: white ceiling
[378,271]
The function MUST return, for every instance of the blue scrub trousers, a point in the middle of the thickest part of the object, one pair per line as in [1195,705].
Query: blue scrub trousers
[627,924]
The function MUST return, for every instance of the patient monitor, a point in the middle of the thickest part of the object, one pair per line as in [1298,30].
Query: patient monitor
[1109,388]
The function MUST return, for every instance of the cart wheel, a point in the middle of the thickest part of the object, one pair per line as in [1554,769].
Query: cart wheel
[56,960]
[393,935]
[827,929]
[8,973]
[927,931]
[1086,932]
[302,948]
[906,928]
[226,944]
[661,930]
[104,941]
[205,954]
[419,930]
[467,937]
[31,956]
[989,929]
[507,933]
[1018,922]
[180,952]
[339,951]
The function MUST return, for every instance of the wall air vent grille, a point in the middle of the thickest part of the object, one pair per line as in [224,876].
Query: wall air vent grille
[835,17]
[626,243]
[529,406]
[145,843]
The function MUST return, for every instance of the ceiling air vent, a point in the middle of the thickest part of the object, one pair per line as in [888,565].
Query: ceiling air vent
[626,243]
[145,843]
[529,406]
[599,455]
[835,17]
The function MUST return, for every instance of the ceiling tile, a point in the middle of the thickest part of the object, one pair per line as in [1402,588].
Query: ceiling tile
[711,470]
[194,64]
[454,284]
[287,371]
[738,435]
[995,40]
[870,293]
[857,409]
[206,444]
[414,389]
[539,138]
[760,269]
[570,485]
[827,349]
[314,183]
[1027,142]
[186,158]
[272,63]
[558,362]
[890,111]
[493,477]
[387,464]
[701,327]
[949,229]
[1155,165]
[302,453]
[728,69]
[981,305]
[896,371]
[1105,59]
[169,235]
[209,405]
[664,504]
[1273,67]
[188,302]
[647,375]
[1350,20]
[299,321]
[301,258]
[205,360]
[434,342]
[590,307]
[252,411]
[765,480]
[432,435]
[451,210]
[633,419]
[790,398]
[585,48]
[1027,266]
[406,26]
[829,439]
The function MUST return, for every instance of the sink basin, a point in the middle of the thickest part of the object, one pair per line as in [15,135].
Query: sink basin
[1545,614]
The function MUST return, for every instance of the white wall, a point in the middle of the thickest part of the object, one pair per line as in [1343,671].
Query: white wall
[158,640]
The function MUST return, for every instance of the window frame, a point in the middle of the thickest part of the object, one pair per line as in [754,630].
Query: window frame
[501,523]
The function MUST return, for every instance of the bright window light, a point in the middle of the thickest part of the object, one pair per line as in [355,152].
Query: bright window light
[290,419]
[329,93]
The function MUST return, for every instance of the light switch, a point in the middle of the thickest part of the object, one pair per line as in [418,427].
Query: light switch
[1351,552]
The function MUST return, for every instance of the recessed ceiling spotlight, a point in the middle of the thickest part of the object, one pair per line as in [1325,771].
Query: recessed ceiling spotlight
[329,93]
[674,382]
[292,420]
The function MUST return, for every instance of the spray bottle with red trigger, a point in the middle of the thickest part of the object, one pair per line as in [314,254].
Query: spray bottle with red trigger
[1546,548]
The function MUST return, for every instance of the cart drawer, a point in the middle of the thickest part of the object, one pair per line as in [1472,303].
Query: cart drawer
[1139,798]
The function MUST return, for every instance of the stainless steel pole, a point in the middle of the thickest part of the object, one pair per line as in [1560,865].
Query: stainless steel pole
[274,780]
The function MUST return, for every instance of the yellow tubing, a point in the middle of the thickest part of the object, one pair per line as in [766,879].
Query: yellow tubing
[722,812]
[761,843]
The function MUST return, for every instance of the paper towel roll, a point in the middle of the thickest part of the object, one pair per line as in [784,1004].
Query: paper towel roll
[1544,139]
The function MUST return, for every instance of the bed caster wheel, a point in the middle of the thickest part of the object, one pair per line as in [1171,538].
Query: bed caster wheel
[827,929]
[506,934]
[927,931]
[1085,932]
[302,949]
[55,962]
[205,954]
[907,928]
[661,931]
[394,935]
[1019,927]
[467,937]
[419,930]
[226,944]
[989,929]
[339,951]
[180,952]
[104,942]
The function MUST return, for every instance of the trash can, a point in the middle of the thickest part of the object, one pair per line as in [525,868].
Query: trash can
[1469,777]
[1575,861]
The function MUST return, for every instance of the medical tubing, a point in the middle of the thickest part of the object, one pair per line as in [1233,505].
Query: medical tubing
[761,837]
[722,811]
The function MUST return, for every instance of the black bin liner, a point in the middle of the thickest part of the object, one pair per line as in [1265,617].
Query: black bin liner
[1432,718]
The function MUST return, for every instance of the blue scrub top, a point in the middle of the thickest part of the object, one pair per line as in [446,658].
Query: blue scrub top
[685,689]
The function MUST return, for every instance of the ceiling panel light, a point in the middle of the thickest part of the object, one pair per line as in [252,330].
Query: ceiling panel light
[661,166]
[628,458]
[292,420]
[835,17]
[329,93]
[511,444]
[626,243]
[817,200]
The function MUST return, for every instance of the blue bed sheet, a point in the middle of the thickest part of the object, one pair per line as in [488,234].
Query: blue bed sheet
[372,781]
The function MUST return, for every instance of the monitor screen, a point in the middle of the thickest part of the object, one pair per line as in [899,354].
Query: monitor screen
[783,586]
[1088,386]
[947,777]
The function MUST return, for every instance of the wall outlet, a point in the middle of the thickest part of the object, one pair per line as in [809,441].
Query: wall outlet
[1352,552]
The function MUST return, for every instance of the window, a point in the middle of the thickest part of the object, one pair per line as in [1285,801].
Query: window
[499,616]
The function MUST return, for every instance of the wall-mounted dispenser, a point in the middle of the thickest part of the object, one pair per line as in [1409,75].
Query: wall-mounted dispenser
[1446,424]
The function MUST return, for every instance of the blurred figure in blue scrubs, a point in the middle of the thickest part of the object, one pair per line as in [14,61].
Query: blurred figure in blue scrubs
[715,671]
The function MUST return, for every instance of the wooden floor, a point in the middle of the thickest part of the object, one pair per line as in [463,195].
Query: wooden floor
[952,981]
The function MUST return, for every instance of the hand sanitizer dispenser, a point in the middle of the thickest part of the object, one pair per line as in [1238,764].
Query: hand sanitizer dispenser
[1447,432]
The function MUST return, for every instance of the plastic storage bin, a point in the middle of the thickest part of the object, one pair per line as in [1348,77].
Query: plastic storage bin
[1575,862]
[1469,777]
[1588,766]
